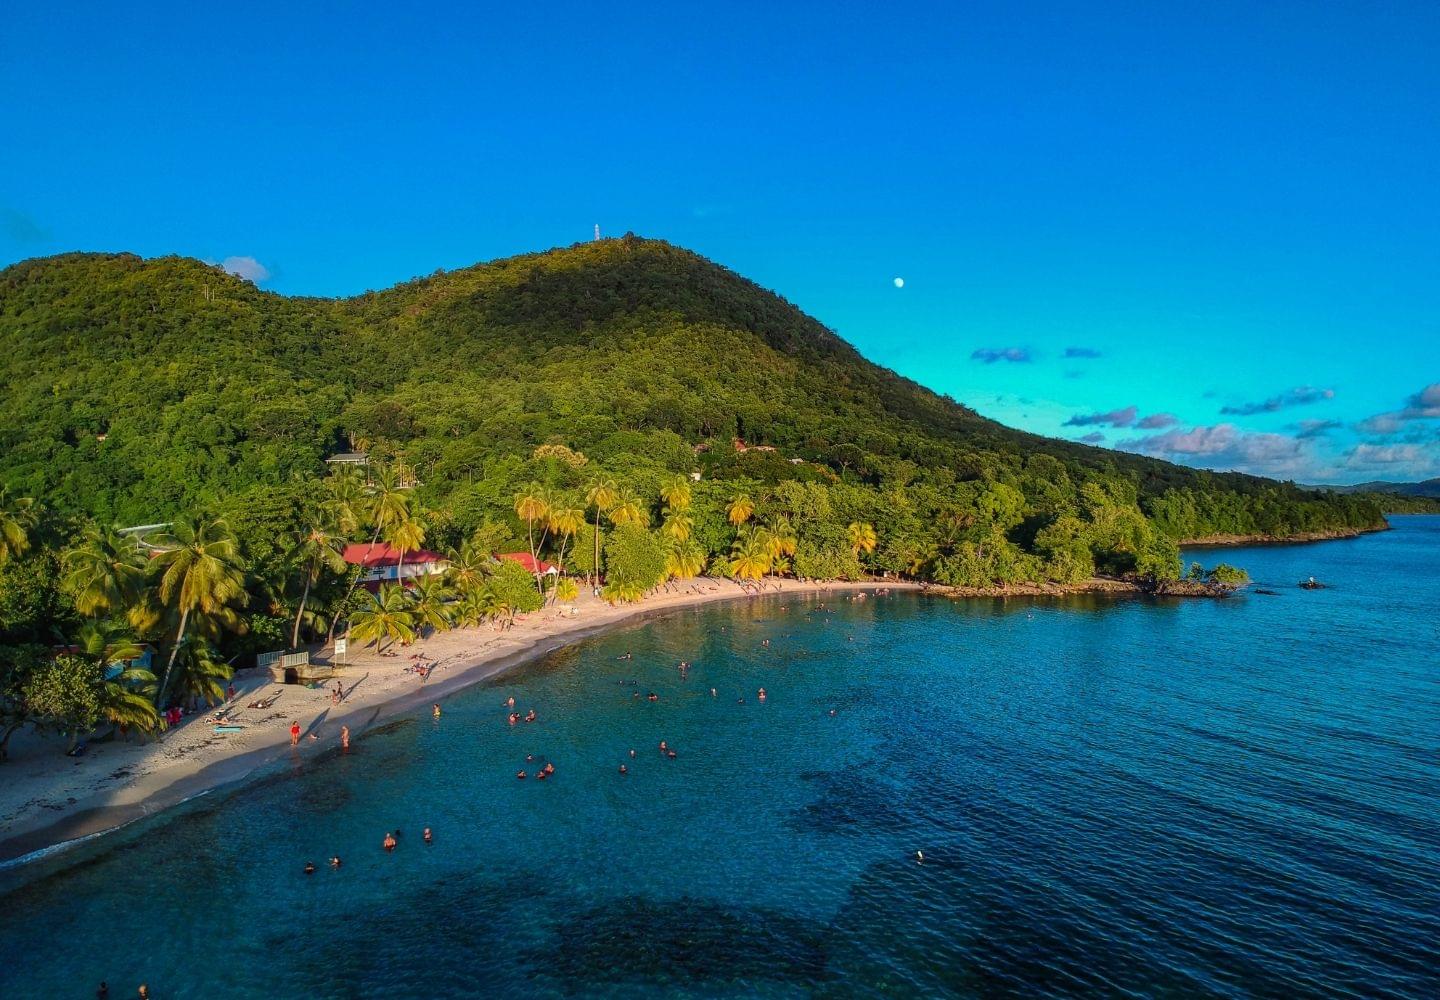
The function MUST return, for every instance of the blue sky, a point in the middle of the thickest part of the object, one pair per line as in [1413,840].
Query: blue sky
[1204,232]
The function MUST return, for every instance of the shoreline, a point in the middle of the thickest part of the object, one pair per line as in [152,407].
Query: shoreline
[43,829]
[39,828]
[1302,538]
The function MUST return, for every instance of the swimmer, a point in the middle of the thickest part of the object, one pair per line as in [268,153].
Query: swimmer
[832,712]
[510,702]
[549,768]
[344,737]
[529,757]
[530,715]
[761,695]
[632,754]
[514,718]
[652,696]
[670,754]
[428,837]
[541,775]
[435,710]
[624,769]
[309,868]
[389,842]
[520,775]
[712,692]
[335,861]
[920,857]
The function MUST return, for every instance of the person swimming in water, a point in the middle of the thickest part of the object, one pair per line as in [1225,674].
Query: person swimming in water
[510,702]
[389,842]
[435,710]
[427,836]
[514,718]
[344,737]
[632,753]
[335,861]
[712,692]
[624,769]
[761,695]
[652,696]
[530,715]
[520,775]
[309,868]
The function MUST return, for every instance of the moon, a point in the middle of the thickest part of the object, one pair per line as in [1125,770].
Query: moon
[899,282]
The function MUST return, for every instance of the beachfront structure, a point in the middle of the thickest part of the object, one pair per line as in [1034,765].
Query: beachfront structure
[531,564]
[382,564]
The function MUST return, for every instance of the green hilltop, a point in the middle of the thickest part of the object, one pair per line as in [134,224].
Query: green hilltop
[140,389]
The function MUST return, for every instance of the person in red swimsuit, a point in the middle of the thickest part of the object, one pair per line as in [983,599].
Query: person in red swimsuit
[294,733]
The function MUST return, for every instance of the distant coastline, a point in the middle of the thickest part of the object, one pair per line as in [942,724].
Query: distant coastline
[1301,538]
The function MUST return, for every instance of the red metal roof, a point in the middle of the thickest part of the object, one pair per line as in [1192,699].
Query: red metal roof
[524,559]
[381,554]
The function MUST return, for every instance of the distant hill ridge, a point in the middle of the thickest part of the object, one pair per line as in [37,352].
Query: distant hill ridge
[139,387]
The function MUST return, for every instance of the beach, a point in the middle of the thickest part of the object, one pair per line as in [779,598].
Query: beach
[47,798]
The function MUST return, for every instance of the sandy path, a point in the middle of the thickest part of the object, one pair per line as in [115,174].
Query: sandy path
[47,798]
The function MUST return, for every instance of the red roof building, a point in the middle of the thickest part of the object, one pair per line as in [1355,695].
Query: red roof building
[382,564]
[531,564]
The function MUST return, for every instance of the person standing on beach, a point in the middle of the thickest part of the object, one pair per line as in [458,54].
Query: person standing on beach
[294,734]
[344,737]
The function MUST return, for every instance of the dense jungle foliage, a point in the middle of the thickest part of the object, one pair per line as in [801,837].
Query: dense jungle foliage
[625,387]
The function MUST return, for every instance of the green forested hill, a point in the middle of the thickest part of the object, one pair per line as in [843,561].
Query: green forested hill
[136,389]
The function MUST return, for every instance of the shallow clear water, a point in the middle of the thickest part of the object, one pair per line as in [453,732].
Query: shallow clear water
[1227,798]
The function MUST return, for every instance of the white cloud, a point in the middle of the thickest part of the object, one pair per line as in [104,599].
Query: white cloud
[246,267]
[1226,447]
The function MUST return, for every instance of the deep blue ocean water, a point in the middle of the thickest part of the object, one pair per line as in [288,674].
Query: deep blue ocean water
[1114,797]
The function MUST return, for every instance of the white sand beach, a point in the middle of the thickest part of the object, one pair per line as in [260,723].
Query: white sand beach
[47,798]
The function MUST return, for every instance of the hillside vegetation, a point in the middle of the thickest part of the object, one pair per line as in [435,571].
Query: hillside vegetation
[623,408]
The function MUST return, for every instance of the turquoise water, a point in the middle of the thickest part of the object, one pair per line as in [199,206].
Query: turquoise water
[1197,798]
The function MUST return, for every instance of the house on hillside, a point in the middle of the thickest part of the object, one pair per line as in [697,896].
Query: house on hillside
[531,565]
[382,564]
[349,458]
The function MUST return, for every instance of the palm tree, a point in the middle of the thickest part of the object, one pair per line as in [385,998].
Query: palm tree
[565,522]
[684,559]
[387,615]
[531,506]
[628,509]
[428,597]
[105,573]
[202,674]
[751,558]
[677,525]
[125,697]
[676,494]
[740,509]
[124,704]
[601,496]
[200,574]
[862,537]
[566,590]
[317,550]
[479,605]
[17,519]
[468,568]
[345,500]
[109,642]
[386,502]
[405,534]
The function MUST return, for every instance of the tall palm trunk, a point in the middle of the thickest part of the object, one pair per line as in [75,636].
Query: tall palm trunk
[295,635]
[359,572]
[174,652]
[595,567]
[400,569]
